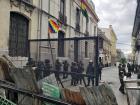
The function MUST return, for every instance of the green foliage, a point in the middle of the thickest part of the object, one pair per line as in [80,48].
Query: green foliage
[123,61]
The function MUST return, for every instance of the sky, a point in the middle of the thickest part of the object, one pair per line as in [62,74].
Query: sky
[120,14]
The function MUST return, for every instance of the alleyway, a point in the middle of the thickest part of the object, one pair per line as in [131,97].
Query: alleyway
[110,75]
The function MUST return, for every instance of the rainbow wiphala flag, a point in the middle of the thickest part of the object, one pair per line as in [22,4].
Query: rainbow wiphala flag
[84,8]
[53,26]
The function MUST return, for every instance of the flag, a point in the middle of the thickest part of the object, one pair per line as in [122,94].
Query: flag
[84,8]
[53,26]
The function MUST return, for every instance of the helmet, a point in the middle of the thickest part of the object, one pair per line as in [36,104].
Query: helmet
[90,61]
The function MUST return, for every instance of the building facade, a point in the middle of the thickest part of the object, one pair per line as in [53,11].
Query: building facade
[104,49]
[136,35]
[28,19]
[110,34]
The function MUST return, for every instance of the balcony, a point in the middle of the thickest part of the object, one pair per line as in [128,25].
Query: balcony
[62,18]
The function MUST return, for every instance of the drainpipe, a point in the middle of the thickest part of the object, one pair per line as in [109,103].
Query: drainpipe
[40,33]
[70,31]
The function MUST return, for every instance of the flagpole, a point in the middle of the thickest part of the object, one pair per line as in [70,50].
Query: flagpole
[50,46]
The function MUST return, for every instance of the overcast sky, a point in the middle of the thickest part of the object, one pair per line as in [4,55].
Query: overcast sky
[121,14]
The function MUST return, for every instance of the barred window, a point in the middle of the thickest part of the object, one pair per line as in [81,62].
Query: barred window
[18,38]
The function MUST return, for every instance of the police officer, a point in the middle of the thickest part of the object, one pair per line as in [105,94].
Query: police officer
[90,71]
[123,69]
[57,68]
[65,69]
[31,62]
[80,71]
[100,70]
[121,76]
[48,67]
[39,70]
[74,69]
[129,67]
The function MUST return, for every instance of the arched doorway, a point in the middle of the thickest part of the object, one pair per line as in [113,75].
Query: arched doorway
[18,35]
[61,44]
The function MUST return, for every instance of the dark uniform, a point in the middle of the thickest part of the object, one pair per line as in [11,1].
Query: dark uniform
[57,68]
[90,71]
[74,69]
[100,70]
[80,71]
[39,70]
[129,67]
[123,69]
[138,74]
[48,67]
[132,68]
[31,62]
[65,69]
[121,76]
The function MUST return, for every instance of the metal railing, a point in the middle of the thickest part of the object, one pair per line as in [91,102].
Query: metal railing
[132,91]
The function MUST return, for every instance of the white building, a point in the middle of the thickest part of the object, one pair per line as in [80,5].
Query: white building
[28,19]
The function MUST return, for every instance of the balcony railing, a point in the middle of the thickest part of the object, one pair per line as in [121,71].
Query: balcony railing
[62,18]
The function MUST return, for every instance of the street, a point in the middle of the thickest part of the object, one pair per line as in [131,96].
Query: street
[110,75]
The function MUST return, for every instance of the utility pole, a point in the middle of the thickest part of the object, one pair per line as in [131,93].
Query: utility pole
[97,61]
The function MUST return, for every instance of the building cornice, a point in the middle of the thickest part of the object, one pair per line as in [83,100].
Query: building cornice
[27,6]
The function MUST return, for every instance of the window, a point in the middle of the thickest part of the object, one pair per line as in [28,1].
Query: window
[76,50]
[87,21]
[18,38]
[86,49]
[61,44]
[94,30]
[62,6]
[77,16]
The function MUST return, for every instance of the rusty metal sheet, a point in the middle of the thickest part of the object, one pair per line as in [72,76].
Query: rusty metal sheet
[72,97]
[101,95]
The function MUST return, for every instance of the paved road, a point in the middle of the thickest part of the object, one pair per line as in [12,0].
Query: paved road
[110,75]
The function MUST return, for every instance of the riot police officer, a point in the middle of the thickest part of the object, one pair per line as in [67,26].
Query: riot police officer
[65,69]
[74,69]
[90,71]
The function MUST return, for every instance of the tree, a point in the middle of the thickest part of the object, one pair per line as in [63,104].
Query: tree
[123,61]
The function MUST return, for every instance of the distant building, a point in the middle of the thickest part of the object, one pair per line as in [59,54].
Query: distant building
[104,49]
[110,34]
[136,34]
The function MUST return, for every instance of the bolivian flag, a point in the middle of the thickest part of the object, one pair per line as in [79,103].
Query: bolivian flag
[84,8]
[53,26]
